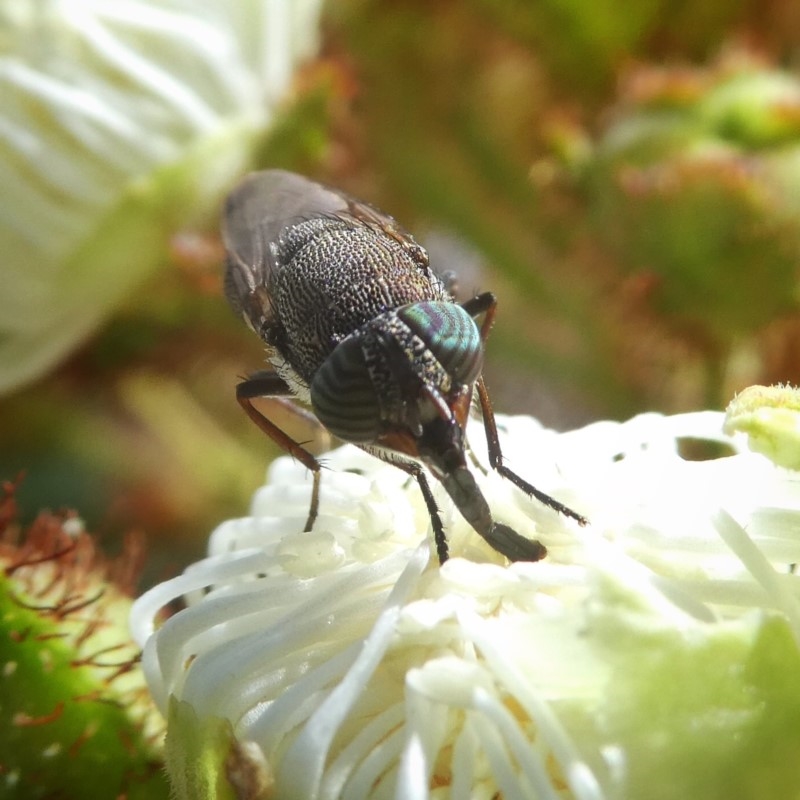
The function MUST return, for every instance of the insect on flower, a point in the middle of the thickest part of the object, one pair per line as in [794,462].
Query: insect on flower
[360,328]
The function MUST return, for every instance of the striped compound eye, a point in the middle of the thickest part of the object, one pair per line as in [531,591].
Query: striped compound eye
[343,394]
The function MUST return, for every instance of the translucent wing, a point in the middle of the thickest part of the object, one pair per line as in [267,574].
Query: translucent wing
[256,212]
[262,206]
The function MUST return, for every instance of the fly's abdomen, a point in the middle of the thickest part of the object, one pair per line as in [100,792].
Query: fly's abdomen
[343,395]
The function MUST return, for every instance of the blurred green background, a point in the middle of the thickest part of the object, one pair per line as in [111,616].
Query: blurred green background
[624,176]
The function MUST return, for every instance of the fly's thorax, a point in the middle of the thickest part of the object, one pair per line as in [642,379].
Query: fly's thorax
[332,276]
[399,372]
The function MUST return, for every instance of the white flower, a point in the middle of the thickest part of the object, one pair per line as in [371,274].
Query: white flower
[120,121]
[652,654]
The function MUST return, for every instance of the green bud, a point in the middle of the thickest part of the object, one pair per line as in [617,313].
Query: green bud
[76,719]
[770,416]
[695,184]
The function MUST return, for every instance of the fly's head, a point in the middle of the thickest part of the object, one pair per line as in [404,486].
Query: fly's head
[403,382]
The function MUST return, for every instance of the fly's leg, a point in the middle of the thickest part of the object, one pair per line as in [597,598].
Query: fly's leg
[270,384]
[418,473]
[496,460]
[486,304]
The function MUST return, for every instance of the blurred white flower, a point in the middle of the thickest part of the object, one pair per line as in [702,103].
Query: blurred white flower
[120,121]
[652,654]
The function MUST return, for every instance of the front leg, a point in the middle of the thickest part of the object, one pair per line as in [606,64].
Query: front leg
[485,304]
[418,473]
[270,384]
[496,460]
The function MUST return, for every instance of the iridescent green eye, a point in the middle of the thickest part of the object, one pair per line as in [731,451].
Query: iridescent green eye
[343,396]
[450,334]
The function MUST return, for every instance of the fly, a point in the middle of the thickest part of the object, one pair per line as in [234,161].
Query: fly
[361,329]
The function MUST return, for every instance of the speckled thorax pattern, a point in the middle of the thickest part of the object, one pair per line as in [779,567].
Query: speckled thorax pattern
[332,277]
